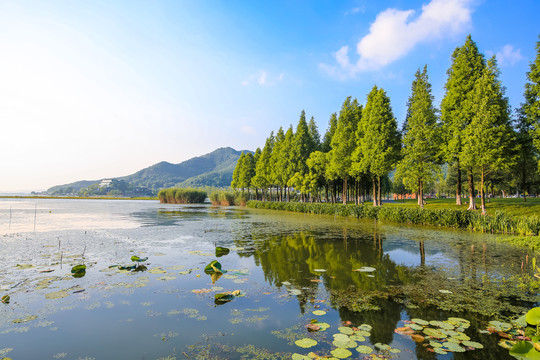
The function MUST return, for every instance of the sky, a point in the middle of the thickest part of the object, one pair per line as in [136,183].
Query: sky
[100,89]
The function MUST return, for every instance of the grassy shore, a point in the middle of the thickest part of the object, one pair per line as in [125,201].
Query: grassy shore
[509,206]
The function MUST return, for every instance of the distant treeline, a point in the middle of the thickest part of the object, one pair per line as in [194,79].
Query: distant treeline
[181,196]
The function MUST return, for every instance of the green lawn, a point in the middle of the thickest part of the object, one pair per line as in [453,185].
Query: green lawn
[510,206]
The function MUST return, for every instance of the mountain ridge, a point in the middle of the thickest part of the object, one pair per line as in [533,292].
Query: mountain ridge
[211,169]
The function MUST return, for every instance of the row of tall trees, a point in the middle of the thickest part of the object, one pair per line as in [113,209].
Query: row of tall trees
[473,133]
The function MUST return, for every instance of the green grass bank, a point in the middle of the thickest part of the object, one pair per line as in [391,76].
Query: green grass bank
[498,222]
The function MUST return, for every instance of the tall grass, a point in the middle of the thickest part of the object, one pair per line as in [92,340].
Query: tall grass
[181,196]
[227,198]
[453,218]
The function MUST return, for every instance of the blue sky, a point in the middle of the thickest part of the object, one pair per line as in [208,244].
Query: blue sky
[99,89]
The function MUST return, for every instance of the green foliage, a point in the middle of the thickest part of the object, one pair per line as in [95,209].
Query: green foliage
[181,196]
[531,107]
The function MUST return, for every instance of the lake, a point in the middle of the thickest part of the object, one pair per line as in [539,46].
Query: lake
[353,282]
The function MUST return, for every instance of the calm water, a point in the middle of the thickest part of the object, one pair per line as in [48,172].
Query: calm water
[285,265]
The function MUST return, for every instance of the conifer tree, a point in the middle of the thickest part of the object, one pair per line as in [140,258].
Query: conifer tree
[421,138]
[378,140]
[263,170]
[531,107]
[302,145]
[486,139]
[236,181]
[327,139]
[456,107]
[247,171]
[343,143]
[314,134]
[526,166]
[276,172]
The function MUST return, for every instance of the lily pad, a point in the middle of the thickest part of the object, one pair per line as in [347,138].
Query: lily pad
[297,356]
[57,295]
[434,333]
[420,322]
[78,268]
[533,316]
[25,319]
[346,330]
[5,299]
[453,347]
[472,344]
[222,251]
[306,343]
[138,259]
[319,312]
[213,267]
[524,350]
[364,349]
[341,353]
[322,325]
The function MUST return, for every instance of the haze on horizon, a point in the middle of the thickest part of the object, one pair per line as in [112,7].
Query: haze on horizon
[92,90]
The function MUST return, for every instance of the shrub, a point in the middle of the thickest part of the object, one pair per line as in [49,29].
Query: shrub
[181,196]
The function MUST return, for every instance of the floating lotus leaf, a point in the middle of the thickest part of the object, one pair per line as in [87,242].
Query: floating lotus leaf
[138,259]
[295,292]
[363,333]
[501,326]
[454,340]
[450,332]
[364,349]
[5,299]
[313,327]
[435,344]
[457,321]
[341,337]
[25,319]
[341,353]
[286,283]
[524,350]
[473,344]
[417,338]
[415,327]
[365,327]
[434,333]
[322,325]
[420,322]
[306,343]
[365,269]
[395,351]
[222,251]
[533,316]
[78,269]
[439,351]
[357,337]
[461,336]
[343,343]
[382,347]
[345,330]
[157,270]
[213,267]
[297,356]
[521,321]
[319,312]
[57,295]
[453,347]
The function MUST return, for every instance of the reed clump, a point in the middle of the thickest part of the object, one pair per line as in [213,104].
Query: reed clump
[181,196]
[228,198]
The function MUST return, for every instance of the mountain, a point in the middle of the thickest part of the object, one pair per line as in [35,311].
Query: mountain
[212,169]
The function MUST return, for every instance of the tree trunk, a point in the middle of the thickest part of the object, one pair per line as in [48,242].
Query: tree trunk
[458,185]
[421,192]
[483,201]
[472,200]
[379,199]
[344,196]
[334,186]
[326,188]
[374,192]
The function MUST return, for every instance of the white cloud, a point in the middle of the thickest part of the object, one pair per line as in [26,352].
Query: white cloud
[263,78]
[356,10]
[508,56]
[394,33]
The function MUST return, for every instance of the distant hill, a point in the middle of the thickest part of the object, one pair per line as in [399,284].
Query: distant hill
[212,169]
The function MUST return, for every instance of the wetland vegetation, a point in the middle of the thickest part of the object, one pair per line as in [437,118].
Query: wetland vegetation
[168,281]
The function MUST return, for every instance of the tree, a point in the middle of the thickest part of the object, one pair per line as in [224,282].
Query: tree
[378,140]
[343,143]
[487,138]
[276,172]
[526,166]
[456,107]
[314,134]
[263,169]
[302,146]
[531,107]
[235,184]
[317,164]
[326,145]
[421,138]
[247,171]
